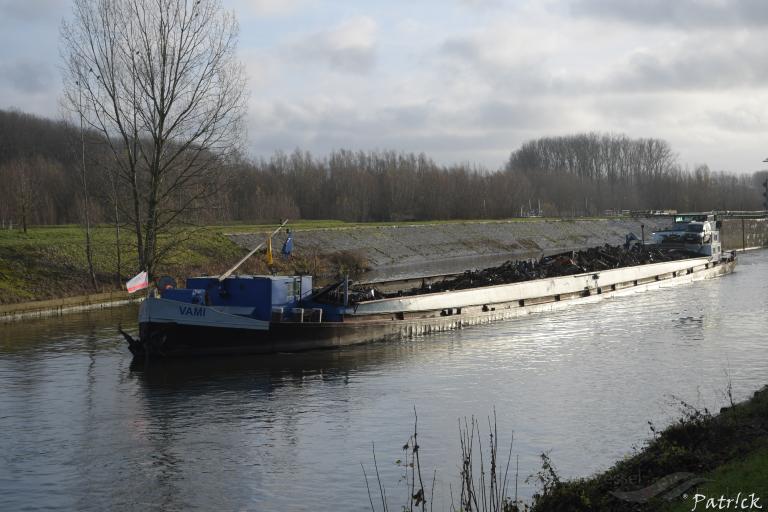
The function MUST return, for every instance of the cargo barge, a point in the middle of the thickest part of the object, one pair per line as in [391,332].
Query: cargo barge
[260,314]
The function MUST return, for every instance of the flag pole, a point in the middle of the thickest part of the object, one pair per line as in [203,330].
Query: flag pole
[254,251]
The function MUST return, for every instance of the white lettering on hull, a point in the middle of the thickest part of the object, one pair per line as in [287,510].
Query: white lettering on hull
[170,311]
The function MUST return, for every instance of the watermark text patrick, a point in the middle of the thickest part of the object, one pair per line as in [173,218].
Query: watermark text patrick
[742,501]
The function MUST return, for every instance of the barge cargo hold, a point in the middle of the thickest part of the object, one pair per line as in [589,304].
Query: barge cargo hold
[268,314]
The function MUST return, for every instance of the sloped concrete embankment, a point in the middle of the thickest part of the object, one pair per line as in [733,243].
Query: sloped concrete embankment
[394,246]
[744,234]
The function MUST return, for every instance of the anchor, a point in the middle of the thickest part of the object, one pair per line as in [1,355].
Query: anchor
[135,346]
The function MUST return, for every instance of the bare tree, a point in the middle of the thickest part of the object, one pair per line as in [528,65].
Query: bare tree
[21,177]
[86,202]
[161,83]
[113,195]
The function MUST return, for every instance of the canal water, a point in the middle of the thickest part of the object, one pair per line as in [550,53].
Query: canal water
[82,430]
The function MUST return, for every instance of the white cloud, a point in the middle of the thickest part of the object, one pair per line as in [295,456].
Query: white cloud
[477,92]
[349,47]
[31,11]
[689,14]
[744,118]
[26,76]
[267,7]
[703,60]
[484,4]
[471,80]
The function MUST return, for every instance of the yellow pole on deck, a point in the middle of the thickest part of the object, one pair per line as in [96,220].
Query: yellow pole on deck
[254,251]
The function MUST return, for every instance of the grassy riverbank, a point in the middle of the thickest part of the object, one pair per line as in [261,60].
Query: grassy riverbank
[729,450]
[49,262]
[745,476]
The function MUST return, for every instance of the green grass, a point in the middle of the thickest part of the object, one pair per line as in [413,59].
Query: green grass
[50,261]
[749,475]
[338,224]
[64,246]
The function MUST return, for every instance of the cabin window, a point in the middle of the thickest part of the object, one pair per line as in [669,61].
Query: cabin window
[293,288]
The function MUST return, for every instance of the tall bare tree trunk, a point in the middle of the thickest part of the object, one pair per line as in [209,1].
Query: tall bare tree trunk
[24,195]
[116,220]
[86,208]
[118,271]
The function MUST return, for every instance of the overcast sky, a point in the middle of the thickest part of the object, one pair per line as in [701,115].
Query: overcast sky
[469,80]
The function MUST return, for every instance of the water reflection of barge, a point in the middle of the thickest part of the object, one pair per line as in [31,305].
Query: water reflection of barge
[267,314]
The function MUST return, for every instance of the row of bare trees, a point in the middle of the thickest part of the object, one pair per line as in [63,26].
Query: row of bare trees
[613,173]
[591,173]
[367,186]
[551,173]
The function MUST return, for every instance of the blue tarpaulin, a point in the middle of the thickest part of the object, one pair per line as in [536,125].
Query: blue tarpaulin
[288,245]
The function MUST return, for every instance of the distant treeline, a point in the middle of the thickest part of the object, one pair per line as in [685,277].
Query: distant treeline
[589,173]
[40,172]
